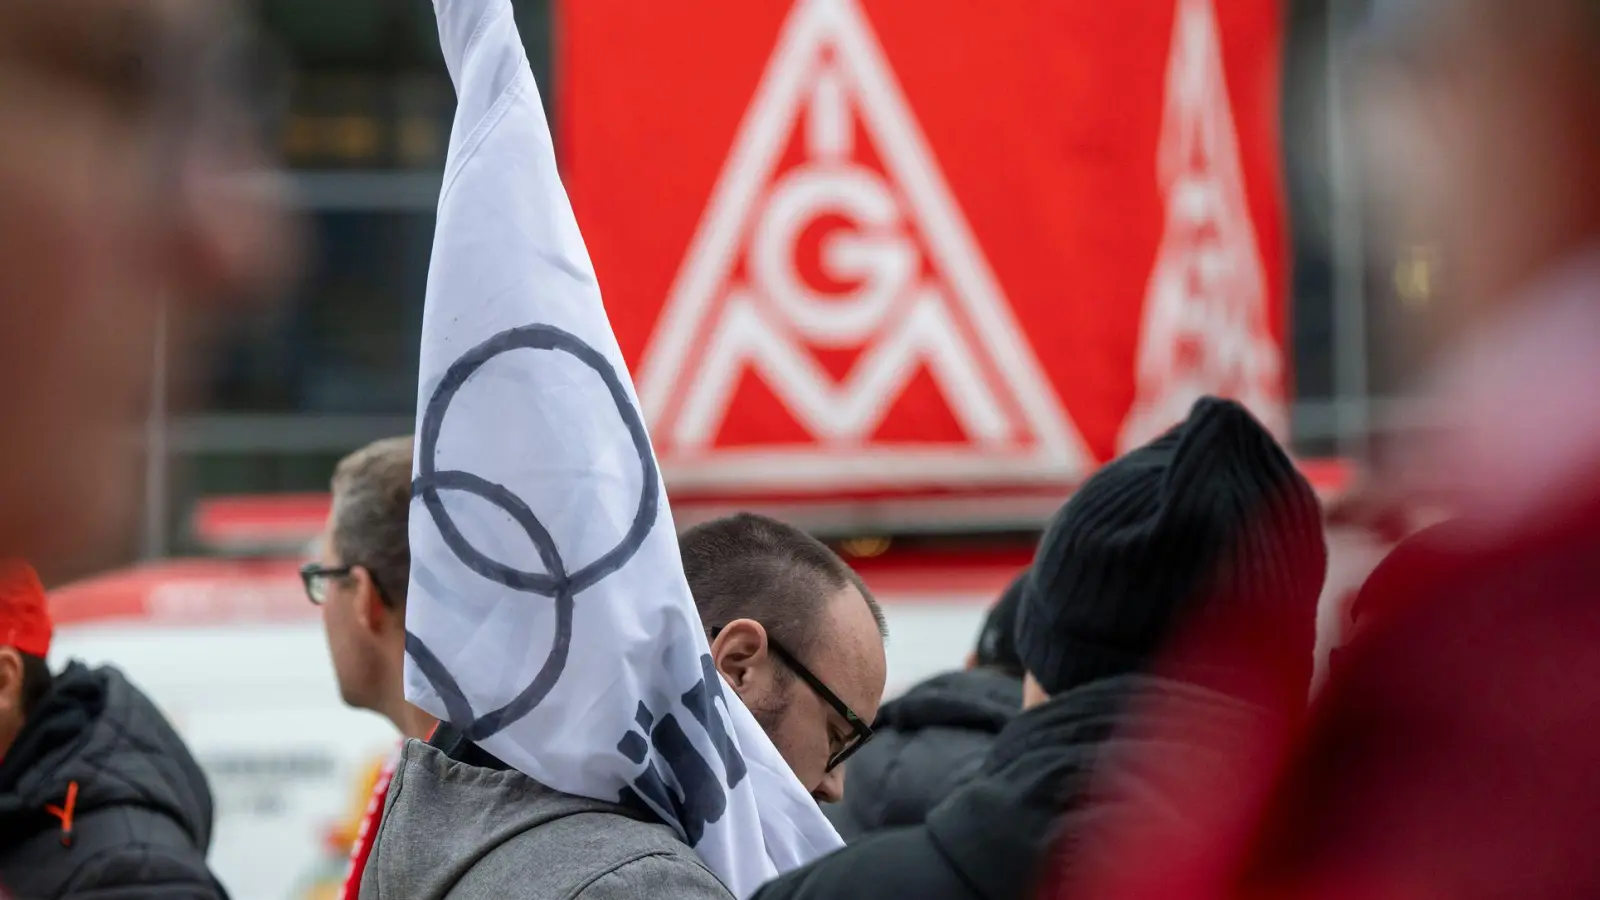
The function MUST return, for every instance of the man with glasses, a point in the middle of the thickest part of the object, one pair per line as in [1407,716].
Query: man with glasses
[359,582]
[793,632]
[797,636]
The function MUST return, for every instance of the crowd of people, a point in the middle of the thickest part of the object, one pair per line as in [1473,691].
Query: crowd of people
[1137,719]
[960,791]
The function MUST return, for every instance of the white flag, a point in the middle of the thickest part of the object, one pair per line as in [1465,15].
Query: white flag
[548,615]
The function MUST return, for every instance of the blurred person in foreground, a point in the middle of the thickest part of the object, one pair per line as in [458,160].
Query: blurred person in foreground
[1452,751]
[98,795]
[120,219]
[1209,522]
[359,582]
[934,737]
[795,635]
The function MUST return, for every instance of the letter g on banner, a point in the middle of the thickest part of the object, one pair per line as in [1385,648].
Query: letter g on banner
[555,582]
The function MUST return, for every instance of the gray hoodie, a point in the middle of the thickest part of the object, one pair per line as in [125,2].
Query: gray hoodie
[465,832]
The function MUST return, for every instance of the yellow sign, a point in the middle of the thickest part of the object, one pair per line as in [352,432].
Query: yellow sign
[327,876]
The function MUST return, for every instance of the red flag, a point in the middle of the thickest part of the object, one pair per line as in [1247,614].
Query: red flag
[879,245]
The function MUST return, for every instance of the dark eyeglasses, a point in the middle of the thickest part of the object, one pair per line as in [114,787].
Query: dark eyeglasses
[860,731]
[315,578]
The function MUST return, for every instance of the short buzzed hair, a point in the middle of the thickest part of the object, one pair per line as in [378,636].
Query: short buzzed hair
[748,566]
[371,509]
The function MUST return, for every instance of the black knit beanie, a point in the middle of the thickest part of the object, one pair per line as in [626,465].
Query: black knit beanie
[997,641]
[1211,517]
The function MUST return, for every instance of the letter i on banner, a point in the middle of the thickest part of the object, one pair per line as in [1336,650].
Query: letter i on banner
[548,616]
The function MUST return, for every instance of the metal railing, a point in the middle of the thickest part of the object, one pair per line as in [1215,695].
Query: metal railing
[289,433]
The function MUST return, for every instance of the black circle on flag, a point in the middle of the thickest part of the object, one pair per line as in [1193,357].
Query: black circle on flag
[555,582]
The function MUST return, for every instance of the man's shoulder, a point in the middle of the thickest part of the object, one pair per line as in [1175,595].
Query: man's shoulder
[119,848]
[598,856]
[895,862]
[598,840]
[496,825]
[657,875]
[161,869]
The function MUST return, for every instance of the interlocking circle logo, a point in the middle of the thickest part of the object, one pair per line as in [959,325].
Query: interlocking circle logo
[555,582]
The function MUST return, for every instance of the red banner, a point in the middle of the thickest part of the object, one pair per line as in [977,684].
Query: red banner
[881,245]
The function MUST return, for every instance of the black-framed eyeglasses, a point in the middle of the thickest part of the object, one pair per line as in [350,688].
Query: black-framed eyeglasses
[860,731]
[315,576]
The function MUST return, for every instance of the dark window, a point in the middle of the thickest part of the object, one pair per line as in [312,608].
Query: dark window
[370,89]
[346,340]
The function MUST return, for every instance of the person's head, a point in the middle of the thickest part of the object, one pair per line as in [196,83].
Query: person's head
[795,633]
[361,574]
[25,632]
[119,220]
[1485,122]
[1209,526]
[997,640]
[1397,578]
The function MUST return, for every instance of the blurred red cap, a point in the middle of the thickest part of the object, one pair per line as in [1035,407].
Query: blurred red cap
[24,613]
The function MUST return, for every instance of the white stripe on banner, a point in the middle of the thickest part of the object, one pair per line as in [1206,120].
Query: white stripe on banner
[548,614]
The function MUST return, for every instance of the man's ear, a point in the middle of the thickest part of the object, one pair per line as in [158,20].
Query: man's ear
[371,612]
[10,685]
[1032,692]
[972,660]
[742,654]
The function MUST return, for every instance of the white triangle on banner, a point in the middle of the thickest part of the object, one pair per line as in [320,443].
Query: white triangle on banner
[950,317]
[1205,328]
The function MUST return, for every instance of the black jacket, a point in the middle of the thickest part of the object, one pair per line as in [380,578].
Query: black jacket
[989,839]
[928,742]
[99,798]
